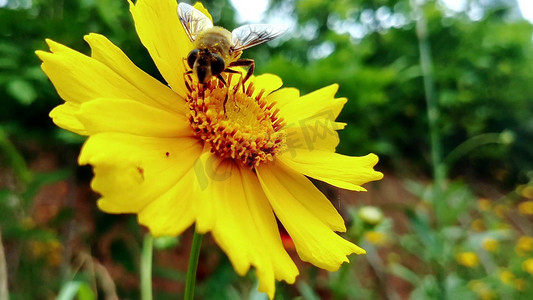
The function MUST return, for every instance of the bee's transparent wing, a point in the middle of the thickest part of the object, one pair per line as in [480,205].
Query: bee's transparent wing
[250,35]
[193,20]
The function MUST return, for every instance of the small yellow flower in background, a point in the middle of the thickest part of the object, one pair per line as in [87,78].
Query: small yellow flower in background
[527,265]
[484,204]
[370,214]
[468,259]
[478,225]
[27,222]
[232,162]
[520,284]
[526,191]
[51,251]
[481,289]
[475,285]
[376,238]
[490,244]
[507,277]
[394,258]
[501,210]
[526,208]
[524,245]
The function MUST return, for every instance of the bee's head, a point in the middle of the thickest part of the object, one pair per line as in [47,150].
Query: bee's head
[205,64]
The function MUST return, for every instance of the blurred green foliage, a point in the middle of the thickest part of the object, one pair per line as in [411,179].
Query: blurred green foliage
[482,68]
[482,71]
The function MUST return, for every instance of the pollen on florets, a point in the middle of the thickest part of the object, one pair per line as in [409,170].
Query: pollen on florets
[235,122]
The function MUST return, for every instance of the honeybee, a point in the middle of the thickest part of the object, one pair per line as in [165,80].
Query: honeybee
[215,49]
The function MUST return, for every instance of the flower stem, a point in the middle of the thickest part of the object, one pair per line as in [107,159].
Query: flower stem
[193,266]
[4,293]
[146,267]
[433,113]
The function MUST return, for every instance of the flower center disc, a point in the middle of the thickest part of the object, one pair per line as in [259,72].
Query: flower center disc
[235,124]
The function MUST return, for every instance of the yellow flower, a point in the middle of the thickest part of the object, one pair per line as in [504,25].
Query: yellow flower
[484,204]
[50,250]
[501,210]
[526,208]
[478,225]
[520,284]
[467,259]
[229,161]
[527,191]
[481,289]
[490,244]
[524,245]
[376,238]
[527,265]
[507,277]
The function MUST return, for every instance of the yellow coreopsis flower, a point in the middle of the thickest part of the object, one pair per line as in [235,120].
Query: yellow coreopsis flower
[527,265]
[468,259]
[490,244]
[524,244]
[228,160]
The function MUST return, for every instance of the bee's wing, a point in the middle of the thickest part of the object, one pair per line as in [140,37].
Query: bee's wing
[250,35]
[193,20]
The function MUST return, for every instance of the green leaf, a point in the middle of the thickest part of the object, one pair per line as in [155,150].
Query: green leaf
[76,288]
[405,273]
[307,291]
[22,90]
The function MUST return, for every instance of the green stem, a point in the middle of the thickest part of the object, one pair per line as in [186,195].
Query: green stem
[193,266]
[4,293]
[146,267]
[439,169]
[426,64]
[470,145]
[15,158]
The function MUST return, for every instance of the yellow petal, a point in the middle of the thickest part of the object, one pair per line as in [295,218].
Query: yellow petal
[312,134]
[110,55]
[347,172]
[79,78]
[320,104]
[174,211]
[314,240]
[64,117]
[267,82]
[310,119]
[246,228]
[284,96]
[207,171]
[126,116]
[130,171]
[161,32]
[311,199]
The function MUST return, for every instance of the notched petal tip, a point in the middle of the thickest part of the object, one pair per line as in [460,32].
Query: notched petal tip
[373,159]
[342,100]
[333,86]
[56,47]
[41,54]
[92,36]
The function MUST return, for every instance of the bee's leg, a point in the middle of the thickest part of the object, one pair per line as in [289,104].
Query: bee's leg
[222,79]
[245,62]
[227,70]
[187,75]
[227,91]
